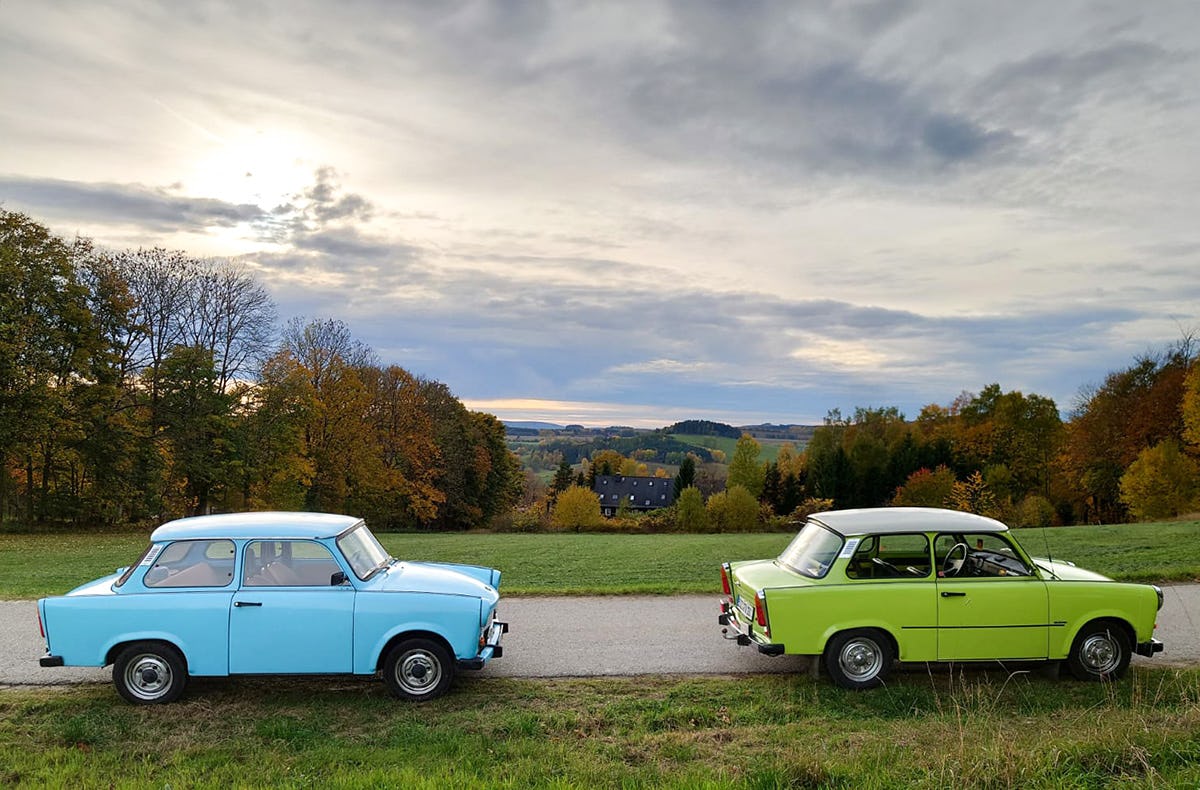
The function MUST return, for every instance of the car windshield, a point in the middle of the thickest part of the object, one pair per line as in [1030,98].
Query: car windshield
[363,552]
[812,551]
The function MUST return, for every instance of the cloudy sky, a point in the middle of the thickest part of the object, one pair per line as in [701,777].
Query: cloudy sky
[632,213]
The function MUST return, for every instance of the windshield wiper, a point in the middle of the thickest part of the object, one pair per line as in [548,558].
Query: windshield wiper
[382,565]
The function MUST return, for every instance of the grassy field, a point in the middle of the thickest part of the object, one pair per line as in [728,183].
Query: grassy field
[33,565]
[939,730]
[768,448]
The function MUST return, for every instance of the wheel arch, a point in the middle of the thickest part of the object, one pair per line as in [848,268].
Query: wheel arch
[115,650]
[842,628]
[1112,620]
[418,633]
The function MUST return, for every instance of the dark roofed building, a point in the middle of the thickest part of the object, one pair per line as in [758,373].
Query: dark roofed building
[637,493]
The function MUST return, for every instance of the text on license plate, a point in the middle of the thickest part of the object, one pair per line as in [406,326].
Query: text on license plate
[746,608]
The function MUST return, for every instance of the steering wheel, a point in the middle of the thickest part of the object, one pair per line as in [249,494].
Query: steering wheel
[952,567]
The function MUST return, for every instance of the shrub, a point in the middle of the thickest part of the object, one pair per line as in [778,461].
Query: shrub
[733,510]
[577,509]
[690,515]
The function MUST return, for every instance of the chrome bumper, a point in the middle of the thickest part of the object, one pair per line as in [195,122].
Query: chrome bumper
[491,648]
[1149,648]
[743,635]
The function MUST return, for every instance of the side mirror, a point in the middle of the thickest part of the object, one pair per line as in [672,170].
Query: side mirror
[338,577]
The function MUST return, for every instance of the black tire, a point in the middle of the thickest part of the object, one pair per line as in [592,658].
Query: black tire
[1101,652]
[859,659]
[150,673]
[418,669]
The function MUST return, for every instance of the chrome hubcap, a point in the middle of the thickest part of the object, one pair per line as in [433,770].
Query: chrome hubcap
[148,676]
[861,659]
[418,671]
[1100,653]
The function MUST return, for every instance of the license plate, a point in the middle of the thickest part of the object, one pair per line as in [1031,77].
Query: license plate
[746,608]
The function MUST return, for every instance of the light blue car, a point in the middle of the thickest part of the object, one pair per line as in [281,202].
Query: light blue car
[275,594]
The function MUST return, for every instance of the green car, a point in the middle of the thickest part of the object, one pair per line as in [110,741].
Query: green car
[864,588]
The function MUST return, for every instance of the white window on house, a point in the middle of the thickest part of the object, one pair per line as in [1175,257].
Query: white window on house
[647,501]
[603,482]
[651,483]
[631,497]
[635,482]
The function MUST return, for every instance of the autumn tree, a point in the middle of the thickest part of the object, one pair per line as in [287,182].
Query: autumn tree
[46,338]
[925,488]
[744,468]
[1133,410]
[1160,483]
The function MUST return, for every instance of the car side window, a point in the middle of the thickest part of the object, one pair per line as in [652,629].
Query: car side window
[192,563]
[978,555]
[288,563]
[898,556]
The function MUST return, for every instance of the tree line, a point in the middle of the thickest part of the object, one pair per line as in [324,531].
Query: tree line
[144,384]
[1127,451]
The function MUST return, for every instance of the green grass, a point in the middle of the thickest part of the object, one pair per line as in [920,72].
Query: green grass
[1132,552]
[32,565]
[939,730]
[768,448]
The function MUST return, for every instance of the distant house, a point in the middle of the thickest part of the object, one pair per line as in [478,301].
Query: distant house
[637,493]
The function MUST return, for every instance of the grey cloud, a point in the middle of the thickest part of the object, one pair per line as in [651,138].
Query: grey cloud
[151,207]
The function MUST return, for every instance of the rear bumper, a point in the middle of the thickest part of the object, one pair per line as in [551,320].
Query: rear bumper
[1149,648]
[50,661]
[491,648]
[743,634]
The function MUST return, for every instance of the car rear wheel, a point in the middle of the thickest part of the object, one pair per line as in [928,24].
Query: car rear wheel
[859,659]
[418,669]
[149,673]
[1101,652]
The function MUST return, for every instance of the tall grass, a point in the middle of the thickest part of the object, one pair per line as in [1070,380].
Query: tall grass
[957,729]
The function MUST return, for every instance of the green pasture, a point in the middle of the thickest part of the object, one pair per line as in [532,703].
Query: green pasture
[768,453]
[939,729]
[33,565]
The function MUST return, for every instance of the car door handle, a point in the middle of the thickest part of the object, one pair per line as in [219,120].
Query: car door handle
[949,594]
[259,603]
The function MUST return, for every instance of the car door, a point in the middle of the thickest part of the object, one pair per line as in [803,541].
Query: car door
[287,617]
[997,609]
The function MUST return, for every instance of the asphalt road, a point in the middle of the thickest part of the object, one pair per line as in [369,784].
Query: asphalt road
[590,636]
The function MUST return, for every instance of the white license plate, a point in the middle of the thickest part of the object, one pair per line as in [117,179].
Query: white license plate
[746,608]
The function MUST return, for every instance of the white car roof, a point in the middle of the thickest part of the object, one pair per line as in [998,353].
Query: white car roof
[268,525]
[877,520]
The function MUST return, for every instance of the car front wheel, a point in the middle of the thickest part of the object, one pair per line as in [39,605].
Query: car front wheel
[418,669]
[1101,652]
[149,673]
[859,659]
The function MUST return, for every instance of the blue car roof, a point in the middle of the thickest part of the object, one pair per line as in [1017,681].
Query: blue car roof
[255,525]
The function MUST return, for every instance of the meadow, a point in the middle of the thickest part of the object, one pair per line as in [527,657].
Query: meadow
[37,564]
[943,729]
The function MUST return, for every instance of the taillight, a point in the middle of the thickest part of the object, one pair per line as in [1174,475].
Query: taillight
[41,627]
[725,579]
[760,612]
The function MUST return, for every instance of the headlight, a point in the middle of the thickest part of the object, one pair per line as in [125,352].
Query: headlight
[1159,593]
